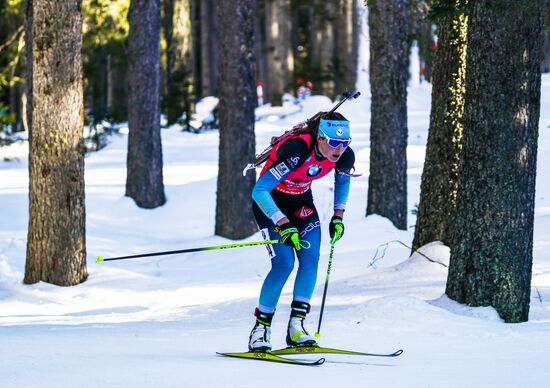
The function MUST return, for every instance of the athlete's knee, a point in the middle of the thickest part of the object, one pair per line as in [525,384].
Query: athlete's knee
[284,265]
[310,255]
[308,267]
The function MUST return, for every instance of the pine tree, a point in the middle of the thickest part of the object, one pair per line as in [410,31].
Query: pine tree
[234,217]
[280,59]
[144,181]
[387,193]
[179,61]
[492,241]
[323,16]
[209,47]
[56,244]
[346,31]
[440,176]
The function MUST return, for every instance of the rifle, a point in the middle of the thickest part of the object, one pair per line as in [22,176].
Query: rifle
[262,157]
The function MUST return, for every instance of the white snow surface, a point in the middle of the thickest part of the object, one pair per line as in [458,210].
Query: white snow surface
[159,321]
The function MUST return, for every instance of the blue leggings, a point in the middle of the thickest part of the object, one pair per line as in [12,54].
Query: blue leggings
[282,263]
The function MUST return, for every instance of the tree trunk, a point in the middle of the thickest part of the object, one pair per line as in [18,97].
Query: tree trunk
[421,30]
[144,182]
[492,242]
[209,48]
[387,193]
[15,106]
[280,57]
[56,245]
[322,43]
[426,43]
[179,67]
[260,51]
[234,218]
[545,60]
[316,12]
[27,95]
[440,176]
[99,83]
[117,100]
[196,50]
[346,55]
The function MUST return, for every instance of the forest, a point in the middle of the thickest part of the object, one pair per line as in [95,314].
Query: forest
[71,71]
[151,150]
[297,43]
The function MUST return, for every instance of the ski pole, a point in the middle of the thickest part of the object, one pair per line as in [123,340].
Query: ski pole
[238,245]
[318,333]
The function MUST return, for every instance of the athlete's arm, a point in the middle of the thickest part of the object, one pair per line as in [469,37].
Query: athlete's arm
[342,181]
[290,156]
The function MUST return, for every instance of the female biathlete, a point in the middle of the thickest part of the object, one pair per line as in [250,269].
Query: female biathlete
[284,209]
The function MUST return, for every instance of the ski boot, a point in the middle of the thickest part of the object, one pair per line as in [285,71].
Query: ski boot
[296,335]
[260,336]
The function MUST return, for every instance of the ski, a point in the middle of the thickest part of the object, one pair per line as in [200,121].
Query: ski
[317,349]
[269,356]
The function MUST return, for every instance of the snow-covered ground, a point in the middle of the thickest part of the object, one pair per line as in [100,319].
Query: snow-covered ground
[159,321]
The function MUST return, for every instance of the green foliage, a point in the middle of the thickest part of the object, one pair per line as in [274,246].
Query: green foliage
[11,43]
[104,22]
[11,53]
[6,120]
[105,31]
[448,8]
[5,116]
[12,12]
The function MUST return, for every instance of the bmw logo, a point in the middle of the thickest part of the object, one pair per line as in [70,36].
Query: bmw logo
[339,132]
[314,170]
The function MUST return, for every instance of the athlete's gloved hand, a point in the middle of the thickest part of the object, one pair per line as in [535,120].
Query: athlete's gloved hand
[335,229]
[289,235]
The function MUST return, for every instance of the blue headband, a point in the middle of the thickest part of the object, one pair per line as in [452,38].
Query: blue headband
[335,129]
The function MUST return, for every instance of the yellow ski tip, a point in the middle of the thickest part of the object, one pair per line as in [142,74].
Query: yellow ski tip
[99,259]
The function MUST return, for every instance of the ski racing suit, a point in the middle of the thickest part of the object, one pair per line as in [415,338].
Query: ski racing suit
[283,189]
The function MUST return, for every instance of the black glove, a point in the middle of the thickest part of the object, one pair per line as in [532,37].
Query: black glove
[289,235]
[336,229]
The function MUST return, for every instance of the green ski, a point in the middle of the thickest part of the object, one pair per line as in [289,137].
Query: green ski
[269,356]
[316,349]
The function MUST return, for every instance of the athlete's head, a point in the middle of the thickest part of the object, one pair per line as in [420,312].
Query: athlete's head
[333,135]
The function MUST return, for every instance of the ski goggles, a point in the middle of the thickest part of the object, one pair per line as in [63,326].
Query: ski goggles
[334,143]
